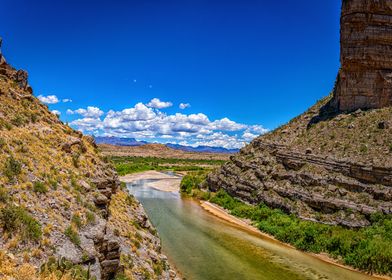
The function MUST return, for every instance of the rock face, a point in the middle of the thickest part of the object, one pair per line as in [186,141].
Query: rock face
[324,165]
[314,187]
[365,78]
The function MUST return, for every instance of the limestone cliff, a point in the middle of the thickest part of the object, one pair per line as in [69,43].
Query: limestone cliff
[365,78]
[60,200]
[325,165]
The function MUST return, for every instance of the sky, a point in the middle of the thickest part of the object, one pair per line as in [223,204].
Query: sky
[195,72]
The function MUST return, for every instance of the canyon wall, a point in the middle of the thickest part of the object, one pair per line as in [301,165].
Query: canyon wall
[365,78]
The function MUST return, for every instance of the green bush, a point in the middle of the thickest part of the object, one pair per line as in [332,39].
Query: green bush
[39,187]
[2,142]
[368,249]
[75,159]
[4,195]
[90,217]
[192,181]
[63,266]
[76,220]
[17,220]
[12,168]
[72,235]
[18,120]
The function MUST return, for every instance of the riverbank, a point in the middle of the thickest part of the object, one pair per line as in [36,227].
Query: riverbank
[158,180]
[246,225]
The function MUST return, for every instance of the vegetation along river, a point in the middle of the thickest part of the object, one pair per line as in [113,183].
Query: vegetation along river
[205,247]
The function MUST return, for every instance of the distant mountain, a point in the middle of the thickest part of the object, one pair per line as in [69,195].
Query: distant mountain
[118,141]
[203,149]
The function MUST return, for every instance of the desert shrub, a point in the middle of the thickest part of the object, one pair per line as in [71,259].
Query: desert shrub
[15,219]
[72,235]
[363,149]
[18,120]
[75,159]
[121,277]
[2,142]
[12,168]
[4,195]
[90,217]
[39,187]
[63,267]
[76,220]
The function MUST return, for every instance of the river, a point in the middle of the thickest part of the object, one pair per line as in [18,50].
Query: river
[205,247]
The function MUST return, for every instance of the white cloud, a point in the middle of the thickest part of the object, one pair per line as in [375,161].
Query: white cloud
[158,104]
[247,136]
[90,112]
[183,106]
[145,122]
[56,112]
[67,100]
[227,125]
[50,99]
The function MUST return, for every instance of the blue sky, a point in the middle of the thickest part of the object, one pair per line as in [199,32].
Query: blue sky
[242,66]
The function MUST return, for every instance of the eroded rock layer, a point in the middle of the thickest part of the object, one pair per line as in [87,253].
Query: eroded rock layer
[365,78]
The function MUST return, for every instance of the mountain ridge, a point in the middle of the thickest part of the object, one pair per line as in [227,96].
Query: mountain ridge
[119,141]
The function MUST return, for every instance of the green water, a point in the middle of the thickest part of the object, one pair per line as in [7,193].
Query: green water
[204,247]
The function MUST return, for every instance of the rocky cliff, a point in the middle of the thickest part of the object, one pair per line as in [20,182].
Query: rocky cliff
[327,165]
[365,78]
[63,212]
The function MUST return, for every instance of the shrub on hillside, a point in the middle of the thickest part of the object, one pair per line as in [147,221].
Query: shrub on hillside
[72,235]
[12,168]
[14,219]
[39,187]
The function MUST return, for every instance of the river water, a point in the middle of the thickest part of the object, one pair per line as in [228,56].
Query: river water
[204,247]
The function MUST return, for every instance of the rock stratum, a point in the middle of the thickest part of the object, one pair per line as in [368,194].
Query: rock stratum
[333,163]
[365,78]
[63,212]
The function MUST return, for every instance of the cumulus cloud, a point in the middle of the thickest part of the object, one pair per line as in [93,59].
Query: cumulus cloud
[146,122]
[67,100]
[158,104]
[183,106]
[56,112]
[49,99]
[90,112]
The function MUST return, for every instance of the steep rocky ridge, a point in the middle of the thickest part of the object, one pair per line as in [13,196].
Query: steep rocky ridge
[333,163]
[60,200]
[336,172]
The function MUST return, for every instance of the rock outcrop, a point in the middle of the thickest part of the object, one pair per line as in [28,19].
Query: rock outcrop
[56,200]
[332,164]
[365,78]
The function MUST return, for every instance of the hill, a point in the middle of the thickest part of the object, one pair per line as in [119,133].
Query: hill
[158,151]
[119,141]
[63,212]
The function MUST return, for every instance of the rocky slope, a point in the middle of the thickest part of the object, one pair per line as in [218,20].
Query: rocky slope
[63,212]
[328,165]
